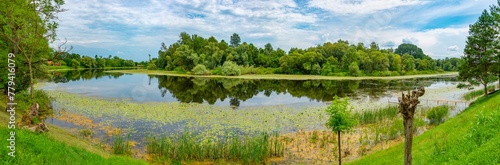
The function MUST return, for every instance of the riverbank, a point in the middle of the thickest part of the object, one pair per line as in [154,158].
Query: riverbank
[472,137]
[54,147]
[281,76]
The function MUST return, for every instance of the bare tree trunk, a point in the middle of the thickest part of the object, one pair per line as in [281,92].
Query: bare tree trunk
[485,89]
[31,79]
[340,153]
[408,124]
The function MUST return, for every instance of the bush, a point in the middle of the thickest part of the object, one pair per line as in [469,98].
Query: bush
[39,96]
[217,71]
[438,114]
[151,66]
[258,70]
[200,69]
[354,69]
[229,68]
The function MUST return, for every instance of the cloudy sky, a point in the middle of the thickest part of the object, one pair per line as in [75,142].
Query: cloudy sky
[133,29]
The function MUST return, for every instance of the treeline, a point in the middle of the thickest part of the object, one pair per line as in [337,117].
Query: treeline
[332,59]
[75,60]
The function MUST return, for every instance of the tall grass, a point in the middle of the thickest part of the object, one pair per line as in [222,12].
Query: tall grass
[437,115]
[374,115]
[476,93]
[121,146]
[471,137]
[253,149]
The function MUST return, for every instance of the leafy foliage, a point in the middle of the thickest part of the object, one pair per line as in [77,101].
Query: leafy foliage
[479,53]
[200,69]
[327,59]
[230,69]
[340,117]
[437,115]
[151,66]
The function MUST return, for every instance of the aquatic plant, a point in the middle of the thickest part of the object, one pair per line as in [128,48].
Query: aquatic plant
[251,149]
[437,115]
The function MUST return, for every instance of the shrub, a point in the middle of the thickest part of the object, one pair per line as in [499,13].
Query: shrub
[437,114]
[229,68]
[180,69]
[200,69]
[217,71]
[354,69]
[151,66]
[39,96]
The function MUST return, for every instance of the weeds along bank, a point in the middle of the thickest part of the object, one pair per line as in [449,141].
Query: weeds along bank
[471,137]
[159,131]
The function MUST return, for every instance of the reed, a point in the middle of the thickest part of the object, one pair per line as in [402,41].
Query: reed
[375,115]
[251,149]
[121,146]
[476,93]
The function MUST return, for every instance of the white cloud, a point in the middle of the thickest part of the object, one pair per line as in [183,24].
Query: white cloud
[453,48]
[361,6]
[139,27]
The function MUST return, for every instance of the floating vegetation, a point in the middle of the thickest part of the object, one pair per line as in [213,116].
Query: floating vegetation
[209,120]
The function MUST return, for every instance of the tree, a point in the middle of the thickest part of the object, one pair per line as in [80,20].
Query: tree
[479,53]
[340,118]
[495,12]
[26,28]
[229,68]
[410,49]
[354,69]
[235,40]
[407,105]
[408,63]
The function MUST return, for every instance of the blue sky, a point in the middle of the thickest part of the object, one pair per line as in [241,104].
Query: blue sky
[133,29]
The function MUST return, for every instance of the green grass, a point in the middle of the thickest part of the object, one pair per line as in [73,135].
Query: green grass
[55,147]
[476,93]
[437,115]
[472,137]
[34,148]
[375,115]
[252,149]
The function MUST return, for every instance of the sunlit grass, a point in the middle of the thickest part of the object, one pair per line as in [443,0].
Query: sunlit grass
[471,137]
[476,93]
[369,116]
[251,149]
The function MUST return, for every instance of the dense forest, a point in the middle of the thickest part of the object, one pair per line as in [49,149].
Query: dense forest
[75,60]
[198,55]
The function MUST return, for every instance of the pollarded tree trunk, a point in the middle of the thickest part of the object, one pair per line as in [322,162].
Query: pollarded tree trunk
[407,105]
[408,125]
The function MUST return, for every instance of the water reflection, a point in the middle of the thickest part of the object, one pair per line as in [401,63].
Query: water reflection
[232,92]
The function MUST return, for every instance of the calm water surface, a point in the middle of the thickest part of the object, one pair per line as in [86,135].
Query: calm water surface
[230,92]
[236,93]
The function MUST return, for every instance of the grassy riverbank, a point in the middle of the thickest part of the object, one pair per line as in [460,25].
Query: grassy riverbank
[280,76]
[472,137]
[55,147]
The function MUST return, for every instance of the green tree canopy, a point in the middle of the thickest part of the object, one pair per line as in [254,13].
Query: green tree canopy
[479,52]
